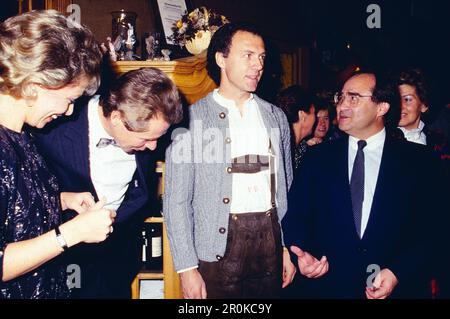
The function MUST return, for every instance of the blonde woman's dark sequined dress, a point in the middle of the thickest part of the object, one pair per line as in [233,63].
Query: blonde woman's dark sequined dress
[29,207]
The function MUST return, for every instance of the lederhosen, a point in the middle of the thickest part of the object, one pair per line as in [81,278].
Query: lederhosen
[252,264]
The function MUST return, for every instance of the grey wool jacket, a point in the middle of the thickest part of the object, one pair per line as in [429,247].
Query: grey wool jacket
[198,187]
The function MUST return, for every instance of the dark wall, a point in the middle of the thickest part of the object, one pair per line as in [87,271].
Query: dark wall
[282,21]
[414,32]
[8,8]
[96,14]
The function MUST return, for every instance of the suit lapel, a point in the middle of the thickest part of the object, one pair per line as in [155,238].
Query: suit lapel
[143,165]
[386,187]
[77,137]
[342,188]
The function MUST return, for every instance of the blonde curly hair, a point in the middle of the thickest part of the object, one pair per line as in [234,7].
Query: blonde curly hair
[45,48]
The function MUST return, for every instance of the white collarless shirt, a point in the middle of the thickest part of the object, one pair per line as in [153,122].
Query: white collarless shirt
[415,135]
[111,168]
[250,192]
[372,160]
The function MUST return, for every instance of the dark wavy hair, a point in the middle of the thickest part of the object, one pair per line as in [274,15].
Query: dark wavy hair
[415,78]
[221,42]
[294,99]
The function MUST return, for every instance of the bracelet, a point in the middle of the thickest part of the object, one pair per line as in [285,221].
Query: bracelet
[60,239]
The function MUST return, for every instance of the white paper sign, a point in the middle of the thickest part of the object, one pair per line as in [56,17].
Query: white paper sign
[152,289]
[170,11]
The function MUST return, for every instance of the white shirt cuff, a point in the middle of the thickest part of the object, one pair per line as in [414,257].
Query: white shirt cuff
[186,269]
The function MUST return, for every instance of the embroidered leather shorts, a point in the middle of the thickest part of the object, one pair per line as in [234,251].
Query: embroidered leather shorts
[252,264]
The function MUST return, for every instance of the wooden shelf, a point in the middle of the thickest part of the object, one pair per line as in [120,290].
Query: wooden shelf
[189,74]
[154,220]
[145,275]
[172,288]
[160,166]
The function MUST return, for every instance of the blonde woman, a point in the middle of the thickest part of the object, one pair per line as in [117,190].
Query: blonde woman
[45,64]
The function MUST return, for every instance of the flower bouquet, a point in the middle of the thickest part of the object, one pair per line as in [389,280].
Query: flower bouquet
[195,29]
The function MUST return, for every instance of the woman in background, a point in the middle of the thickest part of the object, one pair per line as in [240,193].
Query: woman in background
[298,106]
[414,105]
[322,127]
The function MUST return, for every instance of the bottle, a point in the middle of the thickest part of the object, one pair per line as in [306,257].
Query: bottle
[160,166]
[154,246]
[144,258]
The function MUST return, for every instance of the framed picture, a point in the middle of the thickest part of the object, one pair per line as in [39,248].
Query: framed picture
[167,12]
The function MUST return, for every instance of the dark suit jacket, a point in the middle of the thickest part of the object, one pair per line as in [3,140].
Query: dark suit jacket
[400,233]
[65,146]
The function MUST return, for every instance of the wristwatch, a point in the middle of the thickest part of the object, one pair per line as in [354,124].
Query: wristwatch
[60,239]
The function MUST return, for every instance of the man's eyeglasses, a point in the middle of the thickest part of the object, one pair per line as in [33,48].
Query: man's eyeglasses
[353,97]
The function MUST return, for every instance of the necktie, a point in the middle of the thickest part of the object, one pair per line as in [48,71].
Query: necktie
[103,142]
[357,185]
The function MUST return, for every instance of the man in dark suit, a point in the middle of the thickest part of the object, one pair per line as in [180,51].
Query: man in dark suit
[104,150]
[367,203]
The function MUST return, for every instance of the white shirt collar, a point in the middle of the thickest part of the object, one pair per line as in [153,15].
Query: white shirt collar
[415,135]
[97,131]
[223,101]
[372,142]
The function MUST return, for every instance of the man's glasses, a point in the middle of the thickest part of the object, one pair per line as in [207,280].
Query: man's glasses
[353,98]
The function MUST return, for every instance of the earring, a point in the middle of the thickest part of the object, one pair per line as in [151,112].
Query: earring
[30,102]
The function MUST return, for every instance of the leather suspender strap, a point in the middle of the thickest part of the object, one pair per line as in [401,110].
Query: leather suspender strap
[272,175]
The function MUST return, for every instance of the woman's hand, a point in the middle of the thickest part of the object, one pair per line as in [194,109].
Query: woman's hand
[79,202]
[93,226]
[314,141]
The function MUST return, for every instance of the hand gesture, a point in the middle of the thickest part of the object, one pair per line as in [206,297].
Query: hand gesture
[309,265]
[383,285]
[79,202]
[95,224]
